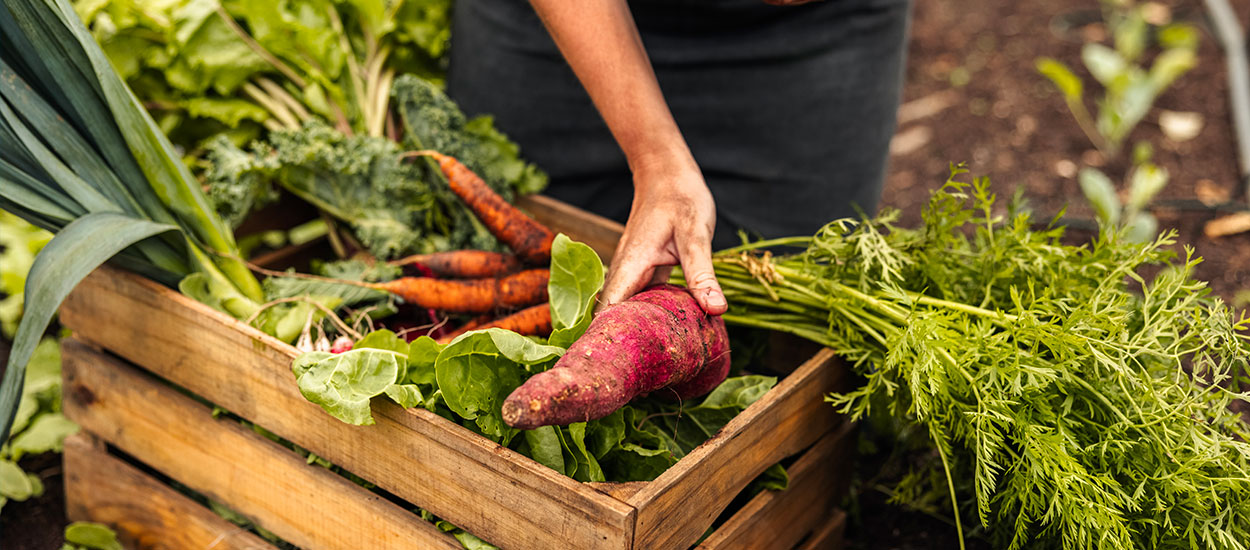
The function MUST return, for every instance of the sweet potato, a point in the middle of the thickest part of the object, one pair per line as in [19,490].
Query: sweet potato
[659,340]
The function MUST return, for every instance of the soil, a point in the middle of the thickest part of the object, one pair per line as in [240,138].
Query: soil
[973,61]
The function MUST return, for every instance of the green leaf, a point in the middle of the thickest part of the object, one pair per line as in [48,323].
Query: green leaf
[43,372]
[422,355]
[1104,63]
[1178,35]
[1101,195]
[384,340]
[1145,182]
[576,278]
[1130,34]
[775,478]
[1063,78]
[605,434]
[546,447]
[92,535]
[471,542]
[478,370]
[342,384]
[228,111]
[1141,228]
[738,393]
[588,468]
[406,395]
[26,410]
[45,434]
[15,484]
[74,253]
[1169,66]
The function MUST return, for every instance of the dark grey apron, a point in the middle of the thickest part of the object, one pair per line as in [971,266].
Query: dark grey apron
[788,110]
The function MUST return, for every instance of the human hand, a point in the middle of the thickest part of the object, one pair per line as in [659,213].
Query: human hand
[670,223]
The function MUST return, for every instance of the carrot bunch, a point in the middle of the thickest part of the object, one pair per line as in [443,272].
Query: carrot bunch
[477,281]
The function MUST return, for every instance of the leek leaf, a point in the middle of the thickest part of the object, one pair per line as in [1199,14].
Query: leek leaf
[74,253]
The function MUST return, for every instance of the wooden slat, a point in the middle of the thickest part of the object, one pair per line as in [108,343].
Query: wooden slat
[779,520]
[598,232]
[144,512]
[830,536]
[487,489]
[304,504]
[787,419]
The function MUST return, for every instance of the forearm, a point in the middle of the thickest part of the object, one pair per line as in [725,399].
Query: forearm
[601,43]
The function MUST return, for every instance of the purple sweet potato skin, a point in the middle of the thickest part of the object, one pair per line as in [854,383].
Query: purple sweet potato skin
[658,340]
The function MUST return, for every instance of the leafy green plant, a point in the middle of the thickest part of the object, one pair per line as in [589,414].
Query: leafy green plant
[84,535]
[1144,182]
[236,67]
[80,157]
[393,207]
[1129,89]
[39,427]
[19,243]
[1072,400]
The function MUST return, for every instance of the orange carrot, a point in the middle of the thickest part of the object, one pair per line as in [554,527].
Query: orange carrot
[531,321]
[525,236]
[464,264]
[473,295]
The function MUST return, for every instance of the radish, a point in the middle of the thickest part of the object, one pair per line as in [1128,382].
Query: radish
[658,340]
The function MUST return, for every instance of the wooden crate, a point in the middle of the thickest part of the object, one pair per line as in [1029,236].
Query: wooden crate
[135,340]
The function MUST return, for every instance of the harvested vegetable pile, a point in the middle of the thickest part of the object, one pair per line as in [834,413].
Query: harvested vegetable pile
[1074,401]
[468,379]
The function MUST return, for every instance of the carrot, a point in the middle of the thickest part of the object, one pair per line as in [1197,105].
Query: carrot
[531,321]
[529,239]
[520,289]
[660,339]
[463,264]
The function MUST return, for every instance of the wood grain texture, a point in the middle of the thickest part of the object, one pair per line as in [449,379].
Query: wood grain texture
[489,490]
[598,232]
[146,514]
[829,536]
[304,504]
[779,520]
[786,420]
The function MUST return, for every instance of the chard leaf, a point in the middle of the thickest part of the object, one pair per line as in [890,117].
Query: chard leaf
[478,370]
[546,447]
[16,484]
[45,434]
[422,355]
[576,279]
[406,395]
[605,434]
[384,340]
[92,536]
[342,384]
[471,542]
[588,468]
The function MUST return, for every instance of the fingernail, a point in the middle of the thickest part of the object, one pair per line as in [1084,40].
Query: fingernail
[716,299]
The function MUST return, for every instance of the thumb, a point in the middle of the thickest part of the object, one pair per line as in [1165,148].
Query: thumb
[626,277]
[696,263]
